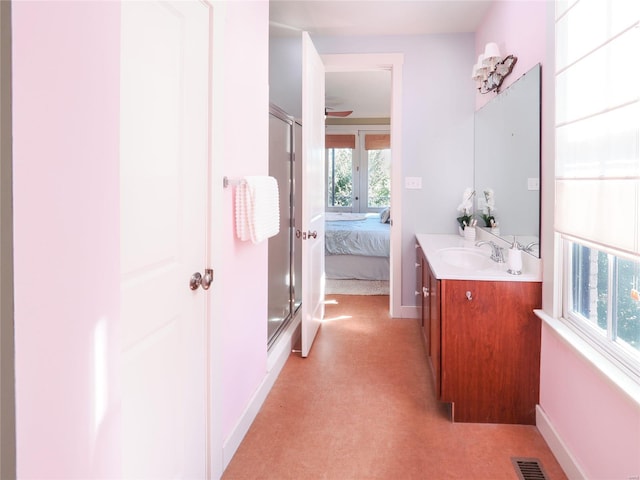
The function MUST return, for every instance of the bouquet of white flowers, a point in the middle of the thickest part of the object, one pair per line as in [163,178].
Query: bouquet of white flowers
[489,208]
[466,208]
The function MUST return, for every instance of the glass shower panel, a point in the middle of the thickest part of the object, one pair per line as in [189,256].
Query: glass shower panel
[280,278]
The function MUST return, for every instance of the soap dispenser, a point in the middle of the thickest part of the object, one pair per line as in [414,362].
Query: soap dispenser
[514,262]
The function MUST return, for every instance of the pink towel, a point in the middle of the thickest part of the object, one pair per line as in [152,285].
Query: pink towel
[257,208]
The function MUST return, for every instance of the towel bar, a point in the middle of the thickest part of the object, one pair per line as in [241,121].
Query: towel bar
[227,182]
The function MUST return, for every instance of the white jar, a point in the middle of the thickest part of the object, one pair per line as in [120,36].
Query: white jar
[514,261]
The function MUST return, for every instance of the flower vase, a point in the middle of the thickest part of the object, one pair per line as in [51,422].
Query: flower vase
[470,233]
[461,231]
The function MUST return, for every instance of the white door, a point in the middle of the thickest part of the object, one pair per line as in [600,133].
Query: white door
[313,281]
[164,165]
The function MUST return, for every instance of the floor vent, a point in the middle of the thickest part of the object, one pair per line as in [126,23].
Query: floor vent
[528,469]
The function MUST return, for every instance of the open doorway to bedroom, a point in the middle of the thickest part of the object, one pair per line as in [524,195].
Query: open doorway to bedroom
[358,200]
[358,175]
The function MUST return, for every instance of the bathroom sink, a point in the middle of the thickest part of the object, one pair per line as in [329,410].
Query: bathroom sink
[465,258]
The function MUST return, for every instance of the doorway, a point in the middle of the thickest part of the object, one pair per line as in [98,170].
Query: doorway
[392,63]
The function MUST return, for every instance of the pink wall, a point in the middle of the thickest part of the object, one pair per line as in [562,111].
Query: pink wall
[66,123]
[66,141]
[599,425]
[66,130]
[518,29]
[244,107]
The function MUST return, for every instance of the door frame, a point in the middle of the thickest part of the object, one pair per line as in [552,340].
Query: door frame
[392,62]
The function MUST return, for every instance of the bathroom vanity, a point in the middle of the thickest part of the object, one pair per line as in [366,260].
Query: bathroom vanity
[481,336]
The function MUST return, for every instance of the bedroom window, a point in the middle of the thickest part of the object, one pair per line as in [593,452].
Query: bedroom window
[597,185]
[358,168]
[340,177]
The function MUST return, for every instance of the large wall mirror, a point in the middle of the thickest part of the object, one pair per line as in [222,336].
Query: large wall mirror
[507,160]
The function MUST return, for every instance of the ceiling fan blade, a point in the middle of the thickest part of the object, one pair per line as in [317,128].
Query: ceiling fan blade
[344,113]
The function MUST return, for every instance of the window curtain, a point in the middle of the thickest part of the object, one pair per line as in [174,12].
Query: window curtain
[340,141]
[598,123]
[377,141]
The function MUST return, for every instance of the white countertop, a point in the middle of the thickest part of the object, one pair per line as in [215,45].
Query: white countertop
[431,243]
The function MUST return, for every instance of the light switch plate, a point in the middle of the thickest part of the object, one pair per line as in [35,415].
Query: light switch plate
[413,183]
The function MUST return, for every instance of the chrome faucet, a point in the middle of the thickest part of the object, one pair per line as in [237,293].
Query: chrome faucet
[497,252]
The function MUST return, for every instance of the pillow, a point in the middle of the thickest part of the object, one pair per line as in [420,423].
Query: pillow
[385,215]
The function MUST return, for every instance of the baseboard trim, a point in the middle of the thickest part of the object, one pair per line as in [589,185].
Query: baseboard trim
[571,468]
[409,311]
[275,362]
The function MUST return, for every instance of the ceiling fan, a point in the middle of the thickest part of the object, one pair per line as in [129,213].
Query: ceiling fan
[328,112]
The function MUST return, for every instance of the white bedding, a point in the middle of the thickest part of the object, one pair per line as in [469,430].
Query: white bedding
[366,237]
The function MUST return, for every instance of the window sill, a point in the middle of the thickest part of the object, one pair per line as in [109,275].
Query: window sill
[601,363]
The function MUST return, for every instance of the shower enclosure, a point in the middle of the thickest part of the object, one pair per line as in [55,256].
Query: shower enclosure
[285,248]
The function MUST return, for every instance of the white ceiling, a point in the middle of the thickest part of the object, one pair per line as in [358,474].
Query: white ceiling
[368,93]
[377,17]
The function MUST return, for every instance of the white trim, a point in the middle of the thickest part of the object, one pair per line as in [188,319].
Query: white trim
[392,62]
[409,311]
[557,446]
[275,362]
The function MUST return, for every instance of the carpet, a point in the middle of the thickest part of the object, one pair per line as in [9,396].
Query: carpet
[357,287]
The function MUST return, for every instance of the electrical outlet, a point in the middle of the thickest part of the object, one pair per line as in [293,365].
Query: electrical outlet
[533,184]
[414,183]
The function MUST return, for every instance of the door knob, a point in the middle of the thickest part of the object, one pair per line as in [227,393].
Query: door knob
[207,280]
[197,280]
[313,234]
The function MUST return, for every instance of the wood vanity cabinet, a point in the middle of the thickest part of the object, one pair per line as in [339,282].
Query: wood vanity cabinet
[419,288]
[484,350]
[427,308]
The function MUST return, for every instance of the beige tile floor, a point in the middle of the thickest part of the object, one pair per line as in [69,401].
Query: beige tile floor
[362,406]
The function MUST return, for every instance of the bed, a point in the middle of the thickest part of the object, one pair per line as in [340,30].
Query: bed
[356,246]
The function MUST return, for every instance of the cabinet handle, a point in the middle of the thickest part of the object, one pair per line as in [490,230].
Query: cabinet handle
[468,294]
[425,292]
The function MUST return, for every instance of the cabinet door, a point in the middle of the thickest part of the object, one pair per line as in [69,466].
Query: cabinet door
[426,306]
[419,284]
[435,338]
[491,350]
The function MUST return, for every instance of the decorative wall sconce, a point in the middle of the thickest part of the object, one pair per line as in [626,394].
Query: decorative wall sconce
[491,69]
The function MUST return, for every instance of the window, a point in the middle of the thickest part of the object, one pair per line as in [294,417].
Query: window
[340,177]
[603,302]
[597,212]
[358,173]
